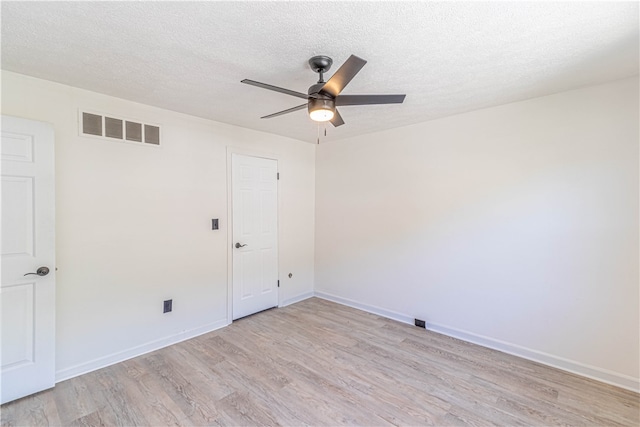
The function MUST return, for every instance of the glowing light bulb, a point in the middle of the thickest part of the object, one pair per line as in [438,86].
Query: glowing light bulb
[321,115]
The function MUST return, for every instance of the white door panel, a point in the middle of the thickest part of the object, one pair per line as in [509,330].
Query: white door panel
[27,303]
[255,225]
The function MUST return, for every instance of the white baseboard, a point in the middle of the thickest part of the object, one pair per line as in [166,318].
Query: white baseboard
[369,308]
[103,362]
[593,372]
[296,299]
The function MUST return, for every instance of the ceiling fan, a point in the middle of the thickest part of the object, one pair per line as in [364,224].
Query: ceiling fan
[323,97]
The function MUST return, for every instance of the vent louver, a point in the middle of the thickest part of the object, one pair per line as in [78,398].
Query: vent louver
[118,128]
[92,124]
[134,131]
[112,128]
[152,134]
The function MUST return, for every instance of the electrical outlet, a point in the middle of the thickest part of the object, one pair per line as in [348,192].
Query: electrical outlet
[168,306]
[420,323]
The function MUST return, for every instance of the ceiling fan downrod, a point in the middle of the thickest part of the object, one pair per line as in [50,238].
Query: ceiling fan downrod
[320,64]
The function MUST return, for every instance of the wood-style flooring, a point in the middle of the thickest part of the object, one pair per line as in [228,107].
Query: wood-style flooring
[323,364]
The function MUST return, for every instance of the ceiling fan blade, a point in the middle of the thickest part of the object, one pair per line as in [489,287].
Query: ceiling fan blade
[343,76]
[290,110]
[369,99]
[276,89]
[337,119]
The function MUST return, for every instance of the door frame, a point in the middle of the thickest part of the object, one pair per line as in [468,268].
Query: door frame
[229,242]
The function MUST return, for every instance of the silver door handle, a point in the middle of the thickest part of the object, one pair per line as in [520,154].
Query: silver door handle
[42,271]
[238,246]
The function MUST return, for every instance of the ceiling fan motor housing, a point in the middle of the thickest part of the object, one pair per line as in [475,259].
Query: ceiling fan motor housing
[313,89]
[322,104]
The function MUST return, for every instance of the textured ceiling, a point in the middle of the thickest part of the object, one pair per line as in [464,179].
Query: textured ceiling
[448,57]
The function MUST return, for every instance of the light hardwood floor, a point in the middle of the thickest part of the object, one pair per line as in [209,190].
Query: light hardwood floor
[320,363]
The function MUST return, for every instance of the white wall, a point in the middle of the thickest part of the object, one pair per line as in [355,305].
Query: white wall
[133,223]
[515,227]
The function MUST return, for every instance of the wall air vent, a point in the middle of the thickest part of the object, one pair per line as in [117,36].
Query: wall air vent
[91,124]
[113,128]
[134,131]
[152,134]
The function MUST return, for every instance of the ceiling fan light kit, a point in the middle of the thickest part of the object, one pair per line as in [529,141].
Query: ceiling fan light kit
[322,109]
[323,97]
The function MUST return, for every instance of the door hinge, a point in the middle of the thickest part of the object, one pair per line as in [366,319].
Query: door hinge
[278,175]
[278,283]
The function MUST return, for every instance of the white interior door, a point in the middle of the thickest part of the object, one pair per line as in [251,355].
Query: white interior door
[27,303]
[255,234]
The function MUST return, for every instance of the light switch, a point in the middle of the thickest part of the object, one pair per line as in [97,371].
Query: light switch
[214,224]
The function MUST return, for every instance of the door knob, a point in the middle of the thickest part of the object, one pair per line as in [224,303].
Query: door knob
[238,245]
[42,271]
